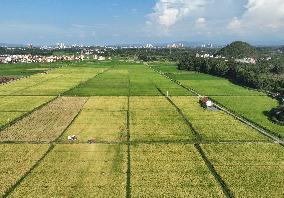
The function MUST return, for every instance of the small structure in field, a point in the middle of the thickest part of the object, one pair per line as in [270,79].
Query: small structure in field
[92,141]
[72,138]
[207,103]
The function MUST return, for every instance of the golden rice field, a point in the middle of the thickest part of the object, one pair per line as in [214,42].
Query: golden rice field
[143,143]
[16,160]
[102,119]
[78,171]
[154,119]
[174,170]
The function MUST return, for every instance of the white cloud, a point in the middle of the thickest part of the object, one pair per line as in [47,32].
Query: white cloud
[167,13]
[260,17]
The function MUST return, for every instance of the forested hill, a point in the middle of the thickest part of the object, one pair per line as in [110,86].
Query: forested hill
[238,49]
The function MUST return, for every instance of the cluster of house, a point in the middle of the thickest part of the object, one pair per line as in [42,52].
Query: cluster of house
[5,59]
[37,59]
[246,60]
[243,60]
[209,56]
[100,58]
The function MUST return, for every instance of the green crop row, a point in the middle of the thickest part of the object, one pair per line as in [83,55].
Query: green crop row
[121,80]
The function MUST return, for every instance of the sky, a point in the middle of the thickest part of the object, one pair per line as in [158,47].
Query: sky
[99,22]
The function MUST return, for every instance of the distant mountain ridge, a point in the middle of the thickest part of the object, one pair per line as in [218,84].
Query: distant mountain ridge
[11,45]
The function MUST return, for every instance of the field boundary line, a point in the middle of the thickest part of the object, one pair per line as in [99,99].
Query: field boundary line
[209,165]
[68,126]
[28,76]
[26,114]
[13,187]
[86,81]
[128,175]
[185,119]
[246,121]
[211,168]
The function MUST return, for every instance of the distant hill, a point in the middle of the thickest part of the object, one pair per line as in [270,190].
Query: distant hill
[238,49]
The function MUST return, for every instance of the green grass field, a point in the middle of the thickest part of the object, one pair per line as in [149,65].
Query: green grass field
[21,70]
[144,144]
[250,104]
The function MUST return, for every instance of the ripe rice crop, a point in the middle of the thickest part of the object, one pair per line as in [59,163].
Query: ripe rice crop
[155,119]
[170,170]
[6,117]
[78,170]
[22,103]
[102,119]
[45,124]
[69,78]
[216,125]
[16,160]
[250,170]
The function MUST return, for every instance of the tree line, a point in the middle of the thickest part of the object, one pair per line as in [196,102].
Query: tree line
[265,75]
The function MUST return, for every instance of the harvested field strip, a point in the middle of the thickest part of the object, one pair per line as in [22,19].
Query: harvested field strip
[250,170]
[99,123]
[9,118]
[216,125]
[170,171]
[45,124]
[16,161]
[153,118]
[80,171]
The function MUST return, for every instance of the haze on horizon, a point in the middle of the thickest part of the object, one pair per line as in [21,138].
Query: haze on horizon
[152,21]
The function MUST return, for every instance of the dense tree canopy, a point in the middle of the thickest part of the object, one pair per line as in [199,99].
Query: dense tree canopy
[238,49]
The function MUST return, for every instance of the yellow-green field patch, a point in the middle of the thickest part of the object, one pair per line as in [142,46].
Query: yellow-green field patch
[155,119]
[170,170]
[16,160]
[250,170]
[78,171]
[102,119]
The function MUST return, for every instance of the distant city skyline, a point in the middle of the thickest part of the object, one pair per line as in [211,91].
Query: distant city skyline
[96,22]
